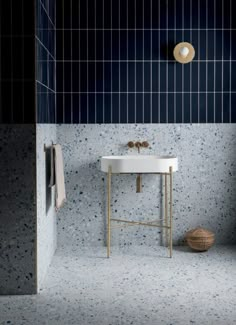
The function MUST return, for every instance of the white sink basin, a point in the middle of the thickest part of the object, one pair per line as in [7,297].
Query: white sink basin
[139,164]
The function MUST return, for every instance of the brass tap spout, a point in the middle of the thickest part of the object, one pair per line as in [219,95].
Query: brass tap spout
[138,145]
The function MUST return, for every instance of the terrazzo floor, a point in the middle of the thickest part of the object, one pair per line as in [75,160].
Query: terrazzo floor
[137,285]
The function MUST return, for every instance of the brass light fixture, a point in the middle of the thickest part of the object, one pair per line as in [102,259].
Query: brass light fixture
[184,52]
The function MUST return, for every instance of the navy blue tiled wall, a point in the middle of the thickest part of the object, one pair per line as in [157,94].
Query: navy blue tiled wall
[17,61]
[46,60]
[115,61]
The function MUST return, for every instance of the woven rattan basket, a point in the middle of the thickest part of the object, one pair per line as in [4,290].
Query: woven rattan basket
[200,239]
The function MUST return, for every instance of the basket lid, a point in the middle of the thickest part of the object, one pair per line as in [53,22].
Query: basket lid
[199,232]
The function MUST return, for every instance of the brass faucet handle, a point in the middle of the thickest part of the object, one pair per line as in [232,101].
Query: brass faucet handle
[145,144]
[130,144]
[138,144]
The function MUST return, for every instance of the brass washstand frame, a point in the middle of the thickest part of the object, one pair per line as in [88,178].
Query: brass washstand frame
[126,223]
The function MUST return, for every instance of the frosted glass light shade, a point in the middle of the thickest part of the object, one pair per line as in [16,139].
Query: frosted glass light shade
[184,51]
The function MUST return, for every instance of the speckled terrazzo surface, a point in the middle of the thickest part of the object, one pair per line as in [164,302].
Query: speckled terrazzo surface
[204,186]
[137,285]
[17,209]
[46,215]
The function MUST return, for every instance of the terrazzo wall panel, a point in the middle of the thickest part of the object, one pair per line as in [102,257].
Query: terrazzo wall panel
[17,209]
[46,216]
[204,186]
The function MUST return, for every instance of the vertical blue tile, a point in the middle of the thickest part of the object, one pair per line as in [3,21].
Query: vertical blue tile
[123,108]
[147,76]
[123,77]
[139,77]
[187,113]
[131,112]
[178,77]
[187,79]
[233,45]
[115,76]
[67,108]
[59,108]
[203,13]
[147,108]
[147,44]
[179,108]
[147,13]
[83,108]
[107,77]
[155,76]
[195,108]
[210,17]
[233,105]
[203,80]
[76,108]
[91,108]
[210,108]
[202,108]
[115,108]
[155,14]
[123,15]
[107,13]
[218,108]
[163,108]
[99,108]
[140,108]
[155,108]
[226,112]
[233,76]
[170,108]
[107,108]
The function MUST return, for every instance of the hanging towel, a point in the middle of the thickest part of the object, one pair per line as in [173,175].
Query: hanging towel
[59,177]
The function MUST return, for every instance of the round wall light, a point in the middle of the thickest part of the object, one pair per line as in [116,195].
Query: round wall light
[184,52]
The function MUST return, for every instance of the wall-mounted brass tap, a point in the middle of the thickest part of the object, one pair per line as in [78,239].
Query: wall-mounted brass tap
[138,145]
